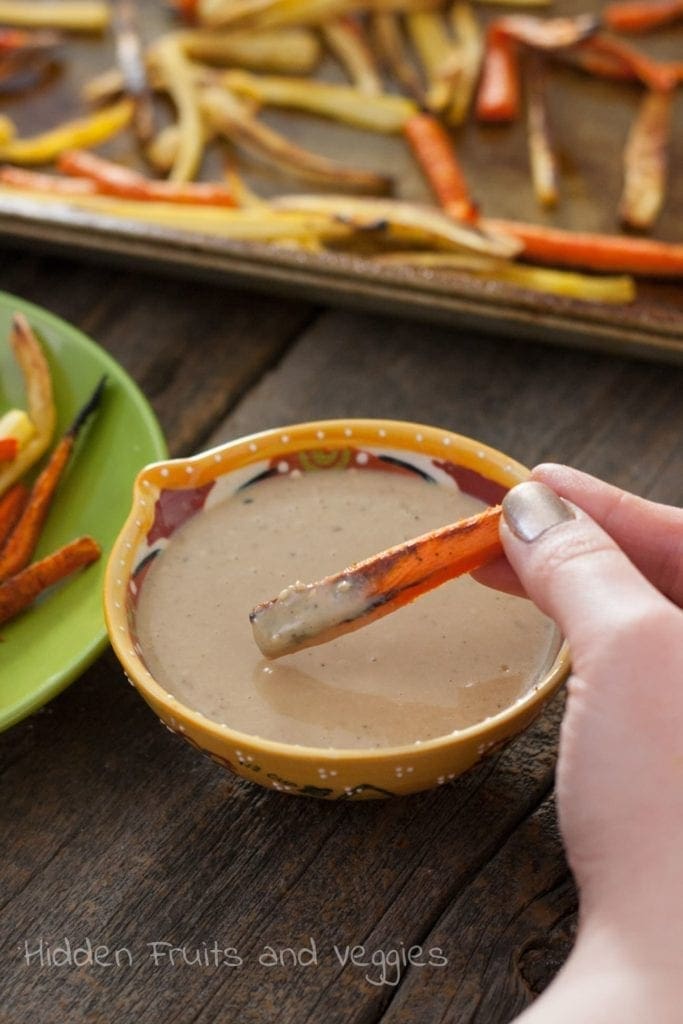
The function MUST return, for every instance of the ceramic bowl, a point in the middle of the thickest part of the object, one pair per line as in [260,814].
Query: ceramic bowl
[166,494]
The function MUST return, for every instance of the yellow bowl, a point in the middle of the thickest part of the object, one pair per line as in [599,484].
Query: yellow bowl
[167,493]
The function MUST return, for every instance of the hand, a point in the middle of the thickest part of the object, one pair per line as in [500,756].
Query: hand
[608,567]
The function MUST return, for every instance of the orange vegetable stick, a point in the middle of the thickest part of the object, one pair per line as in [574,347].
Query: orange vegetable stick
[306,615]
[116,180]
[12,504]
[53,184]
[20,591]
[641,15]
[21,543]
[658,76]
[435,153]
[618,253]
[9,446]
[498,96]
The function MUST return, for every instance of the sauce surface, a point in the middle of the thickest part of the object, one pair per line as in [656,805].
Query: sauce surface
[449,660]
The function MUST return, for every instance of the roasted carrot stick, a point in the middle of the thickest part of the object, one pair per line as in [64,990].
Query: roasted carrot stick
[641,15]
[12,504]
[498,96]
[9,446]
[20,591]
[21,543]
[52,184]
[646,162]
[436,155]
[658,76]
[306,615]
[116,180]
[618,253]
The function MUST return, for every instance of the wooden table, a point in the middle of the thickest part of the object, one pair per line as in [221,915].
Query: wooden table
[117,833]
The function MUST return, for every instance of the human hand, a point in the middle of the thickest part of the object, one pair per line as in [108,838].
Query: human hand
[609,569]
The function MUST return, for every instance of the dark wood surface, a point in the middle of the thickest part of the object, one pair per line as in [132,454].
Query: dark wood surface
[116,832]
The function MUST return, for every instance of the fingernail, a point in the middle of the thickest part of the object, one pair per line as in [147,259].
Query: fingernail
[531,509]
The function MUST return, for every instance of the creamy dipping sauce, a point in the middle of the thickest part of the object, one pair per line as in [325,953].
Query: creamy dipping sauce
[454,657]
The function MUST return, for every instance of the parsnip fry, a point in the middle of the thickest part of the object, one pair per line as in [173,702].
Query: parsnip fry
[617,290]
[542,158]
[20,591]
[548,33]
[404,223]
[179,79]
[80,134]
[427,32]
[381,113]
[40,401]
[646,162]
[71,15]
[469,55]
[308,614]
[391,46]
[230,118]
[347,42]
[21,543]
[287,51]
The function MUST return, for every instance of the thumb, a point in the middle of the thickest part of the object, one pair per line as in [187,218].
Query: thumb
[572,569]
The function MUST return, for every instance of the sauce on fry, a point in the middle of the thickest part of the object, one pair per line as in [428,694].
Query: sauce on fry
[451,659]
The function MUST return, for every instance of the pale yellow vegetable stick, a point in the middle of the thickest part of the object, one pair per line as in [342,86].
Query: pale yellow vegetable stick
[82,133]
[39,400]
[287,51]
[436,52]
[382,113]
[470,53]
[69,15]
[179,78]
[8,130]
[351,50]
[390,43]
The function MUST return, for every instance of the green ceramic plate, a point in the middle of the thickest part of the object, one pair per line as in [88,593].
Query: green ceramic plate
[45,649]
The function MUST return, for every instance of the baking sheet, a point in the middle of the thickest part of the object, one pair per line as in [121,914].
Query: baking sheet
[590,121]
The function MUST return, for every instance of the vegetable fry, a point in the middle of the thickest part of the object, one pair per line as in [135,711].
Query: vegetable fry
[308,614]
[80,134]
[498,96]
[347,42]
[548,33]
[542,158]
[131,61]
[286,51]
[40,401]
[21,543]
[652,74]
[646,161]
[12,504]
[406,223]
[114,180]
[588,288]
[20,591]
[435,152]
[391,45]
[52,184]
[469,54]
[611,253]
[382,113]
[70,15]
[641,15]
[178,78]
[230,118]
[9,449]
[436,52]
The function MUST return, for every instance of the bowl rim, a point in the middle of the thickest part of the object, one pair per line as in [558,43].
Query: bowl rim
[315,432]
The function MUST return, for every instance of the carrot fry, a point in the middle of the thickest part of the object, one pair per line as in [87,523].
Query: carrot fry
[9,446]
[21,590]
[645,162]
[115,180]
[20,545]
[641,15]
[549,33]
[612,253]
[541,152]
[53,184]
[659,76]
[12,504]
[306,615]
[436,155]
[498,94]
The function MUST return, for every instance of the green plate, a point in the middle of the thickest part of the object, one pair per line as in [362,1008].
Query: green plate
[46,648]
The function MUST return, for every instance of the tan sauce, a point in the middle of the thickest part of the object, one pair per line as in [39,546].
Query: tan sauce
[456,656]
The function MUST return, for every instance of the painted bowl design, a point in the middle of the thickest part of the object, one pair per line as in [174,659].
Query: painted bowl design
[167,494]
